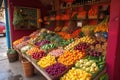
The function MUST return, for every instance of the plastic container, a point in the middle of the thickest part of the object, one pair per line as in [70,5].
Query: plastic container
[27,68]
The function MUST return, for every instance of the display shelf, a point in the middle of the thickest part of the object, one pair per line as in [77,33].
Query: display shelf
[45,74]
[58,20]
[72,19]
[87,4]
[85,19]
[101,2]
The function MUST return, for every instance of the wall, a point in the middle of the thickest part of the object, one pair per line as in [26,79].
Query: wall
[113,49]
[16,34]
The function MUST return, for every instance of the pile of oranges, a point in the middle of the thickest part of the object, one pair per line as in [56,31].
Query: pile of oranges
[68,58]
[33,50]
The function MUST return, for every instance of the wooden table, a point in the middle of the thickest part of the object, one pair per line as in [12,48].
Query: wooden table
[42,71]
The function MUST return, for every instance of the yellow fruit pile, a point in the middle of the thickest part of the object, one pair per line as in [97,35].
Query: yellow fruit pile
[101,28]
[46,61]
[87,39]
[87,65]
[76,74]
[70,57]
[33,50]
[72,45]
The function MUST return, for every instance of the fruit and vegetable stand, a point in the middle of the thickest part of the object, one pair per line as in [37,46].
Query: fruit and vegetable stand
[57,57]
[69,53]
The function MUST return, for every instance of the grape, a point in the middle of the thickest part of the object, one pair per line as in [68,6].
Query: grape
[38,55]
[56,69]
[81,46]
[94,53]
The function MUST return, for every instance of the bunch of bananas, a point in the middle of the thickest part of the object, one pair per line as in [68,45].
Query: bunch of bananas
[103,26]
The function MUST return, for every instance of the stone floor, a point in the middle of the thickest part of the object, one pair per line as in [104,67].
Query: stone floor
[3,48]
[8,71]
[13,71]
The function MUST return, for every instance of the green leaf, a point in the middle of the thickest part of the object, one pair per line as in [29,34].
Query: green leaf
[11,51]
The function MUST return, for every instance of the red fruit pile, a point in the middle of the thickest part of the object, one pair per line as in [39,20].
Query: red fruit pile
[38,55]
[56,69]
[82,46]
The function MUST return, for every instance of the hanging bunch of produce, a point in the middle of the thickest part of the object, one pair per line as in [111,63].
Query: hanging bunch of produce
[18,18]
[103,26]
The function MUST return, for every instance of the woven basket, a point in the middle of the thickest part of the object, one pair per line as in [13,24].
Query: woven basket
[12,57]
[27,68]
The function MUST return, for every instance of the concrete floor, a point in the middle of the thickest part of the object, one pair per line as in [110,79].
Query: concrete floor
[13,71]
[3,48]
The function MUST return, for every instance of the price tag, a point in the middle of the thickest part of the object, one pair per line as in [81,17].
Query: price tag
[79,24]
